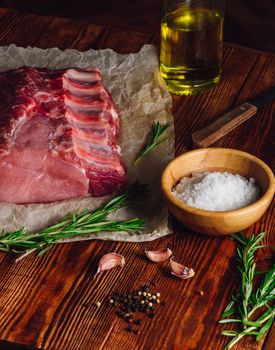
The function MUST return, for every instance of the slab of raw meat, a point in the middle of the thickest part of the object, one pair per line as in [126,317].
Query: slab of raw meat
[93,117]
[58,133]
[31,173]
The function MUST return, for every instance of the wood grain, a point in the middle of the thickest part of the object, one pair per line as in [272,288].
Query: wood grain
[247,22]
[223,125]
[270,339]
[47,302]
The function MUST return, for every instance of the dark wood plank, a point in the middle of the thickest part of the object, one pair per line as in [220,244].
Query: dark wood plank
[43,301]
[270,339]
[70,34]
[199,111]
[123,41]
[247,22]
[13,346]
[18,28]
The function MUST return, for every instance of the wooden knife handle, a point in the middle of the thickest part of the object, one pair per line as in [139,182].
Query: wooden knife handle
[213,132]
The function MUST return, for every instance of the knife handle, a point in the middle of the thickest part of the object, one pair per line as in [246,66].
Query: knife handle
[213,132]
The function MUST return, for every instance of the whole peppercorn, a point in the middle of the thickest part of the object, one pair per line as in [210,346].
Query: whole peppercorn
[131,303]
[129,329]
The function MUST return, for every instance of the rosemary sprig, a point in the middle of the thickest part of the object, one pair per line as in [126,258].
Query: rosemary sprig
[258,330]
[77,224]
[157,130]
[244,304]
[246,249]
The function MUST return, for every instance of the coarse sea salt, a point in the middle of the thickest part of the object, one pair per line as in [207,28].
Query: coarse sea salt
[217,191]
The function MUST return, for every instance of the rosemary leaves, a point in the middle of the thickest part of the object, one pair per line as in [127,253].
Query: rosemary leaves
[244,304]
[77,224]
[157,130]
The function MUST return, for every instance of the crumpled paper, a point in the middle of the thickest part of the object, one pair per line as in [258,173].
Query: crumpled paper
[139,91]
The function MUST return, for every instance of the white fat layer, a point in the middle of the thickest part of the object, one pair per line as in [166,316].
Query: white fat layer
[82,76]
[84,106]
[84,90]
[91,145]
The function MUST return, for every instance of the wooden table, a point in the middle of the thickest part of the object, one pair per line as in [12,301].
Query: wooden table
[47,302]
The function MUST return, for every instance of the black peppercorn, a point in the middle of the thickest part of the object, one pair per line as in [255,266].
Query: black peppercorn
[129,329]
[141,300]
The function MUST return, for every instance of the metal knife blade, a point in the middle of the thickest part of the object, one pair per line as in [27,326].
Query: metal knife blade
[264,98]
[220,127]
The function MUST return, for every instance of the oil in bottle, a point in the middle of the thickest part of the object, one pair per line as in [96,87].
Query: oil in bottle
[191,49]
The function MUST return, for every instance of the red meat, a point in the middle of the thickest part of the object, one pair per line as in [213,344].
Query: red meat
[58,133]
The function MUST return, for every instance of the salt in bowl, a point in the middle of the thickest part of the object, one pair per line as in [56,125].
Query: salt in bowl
[218,223]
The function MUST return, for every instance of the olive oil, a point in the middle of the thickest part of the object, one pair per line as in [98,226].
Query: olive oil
[191,49]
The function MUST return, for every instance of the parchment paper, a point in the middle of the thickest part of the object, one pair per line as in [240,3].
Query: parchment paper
[139,91]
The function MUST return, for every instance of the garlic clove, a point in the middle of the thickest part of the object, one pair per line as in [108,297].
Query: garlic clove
[108,261]
[180,270]
[158,255]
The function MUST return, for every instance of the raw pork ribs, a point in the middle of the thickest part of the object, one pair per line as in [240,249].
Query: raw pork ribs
[58,132]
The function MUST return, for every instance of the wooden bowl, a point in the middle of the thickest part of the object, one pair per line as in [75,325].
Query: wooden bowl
[218,223]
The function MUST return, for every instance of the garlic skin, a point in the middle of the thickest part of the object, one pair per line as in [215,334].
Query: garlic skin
[109,261]
[158,255]
[180,270]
